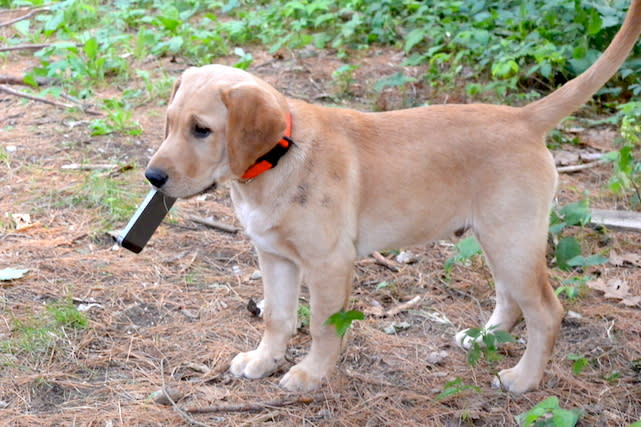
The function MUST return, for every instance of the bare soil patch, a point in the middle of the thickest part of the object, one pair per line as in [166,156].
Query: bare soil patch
[181,303]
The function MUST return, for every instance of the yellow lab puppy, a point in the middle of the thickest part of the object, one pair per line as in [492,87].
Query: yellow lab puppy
[317,187]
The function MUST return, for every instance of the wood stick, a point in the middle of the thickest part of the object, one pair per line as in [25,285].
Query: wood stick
[177,408]
[88,166]
[381,260]
[617,220]
[408,305]
[577,168]
[6,89]
[258,406]
[19,80]
[27,15]
[28,46]
[215,224]
[10,91]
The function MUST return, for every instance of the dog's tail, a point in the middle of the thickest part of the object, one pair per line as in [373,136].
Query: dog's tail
[547,112]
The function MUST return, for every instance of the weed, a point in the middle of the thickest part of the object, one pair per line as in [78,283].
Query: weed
[119,120]
[567,250]
[578,363]
[549,413]
[37,334]
[304,315]
[342,320]
[454,387]
[344,79]
[573,286]
[485,344]
[466,249]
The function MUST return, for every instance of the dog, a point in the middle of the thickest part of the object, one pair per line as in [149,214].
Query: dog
[316,187]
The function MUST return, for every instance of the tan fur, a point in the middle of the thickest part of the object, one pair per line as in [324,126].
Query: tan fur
[358,182]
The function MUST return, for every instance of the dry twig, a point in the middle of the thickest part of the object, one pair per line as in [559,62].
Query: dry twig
[28,46]
[177,408]
[27,15]
[259,406]
[215,224]
[408,305]
[577,168]
[381,260]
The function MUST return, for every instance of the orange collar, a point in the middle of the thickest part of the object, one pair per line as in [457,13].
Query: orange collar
[271,158]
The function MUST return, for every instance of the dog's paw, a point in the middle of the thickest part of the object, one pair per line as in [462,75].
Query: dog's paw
[515,381]
[299,379]
[465,341]
[253,365]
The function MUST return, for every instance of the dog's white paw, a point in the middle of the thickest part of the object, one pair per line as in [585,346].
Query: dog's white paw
[254,365]
[465,341]
[515,381]
[300,379]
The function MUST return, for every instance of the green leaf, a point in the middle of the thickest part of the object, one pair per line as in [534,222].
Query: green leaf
[580,261]
[578,213]
[468,247]
[342,320]
[567,249]
[91,48]
[456,386]
[413,38]
[12,273]
[565,418]
[503,336]
[395,80]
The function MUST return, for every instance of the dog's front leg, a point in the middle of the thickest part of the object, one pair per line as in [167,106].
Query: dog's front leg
[329,286]
[281,283]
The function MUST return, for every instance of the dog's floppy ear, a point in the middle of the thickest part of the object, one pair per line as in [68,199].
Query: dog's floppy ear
[171,98]
[255,123]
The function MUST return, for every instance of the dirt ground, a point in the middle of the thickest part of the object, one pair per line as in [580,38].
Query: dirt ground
[176,314]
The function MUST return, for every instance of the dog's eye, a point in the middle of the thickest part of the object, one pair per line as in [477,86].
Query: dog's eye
[200,131]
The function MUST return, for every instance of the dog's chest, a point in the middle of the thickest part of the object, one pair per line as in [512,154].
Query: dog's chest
[258,224]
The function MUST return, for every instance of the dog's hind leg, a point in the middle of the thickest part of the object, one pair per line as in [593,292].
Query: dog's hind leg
[281,282]
[516,254]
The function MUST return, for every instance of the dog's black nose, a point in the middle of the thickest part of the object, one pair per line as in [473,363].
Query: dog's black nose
[157,177]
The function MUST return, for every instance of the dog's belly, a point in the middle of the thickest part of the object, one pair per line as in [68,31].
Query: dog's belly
[376,235]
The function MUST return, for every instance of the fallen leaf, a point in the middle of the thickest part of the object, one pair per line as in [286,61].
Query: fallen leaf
[12,273]
[630,258]
[617,289]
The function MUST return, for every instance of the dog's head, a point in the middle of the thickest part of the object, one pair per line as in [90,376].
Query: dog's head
[220,120]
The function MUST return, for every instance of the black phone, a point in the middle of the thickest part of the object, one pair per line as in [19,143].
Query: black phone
[144,222]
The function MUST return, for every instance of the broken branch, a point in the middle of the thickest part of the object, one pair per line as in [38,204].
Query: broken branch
[10,91]
[617,220]
[215,224]
[27,15]
[381,260]
[577,168]
[258,406]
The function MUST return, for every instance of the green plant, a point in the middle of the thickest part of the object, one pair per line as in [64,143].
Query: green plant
[343,78]
[108,195]
[304,315]
[567,250]
[573,286]
[626,174]
[549,413]
[342,320]
[119,120]
[485,344]
[37,334]
[578,363]
[454,387]
[466,249]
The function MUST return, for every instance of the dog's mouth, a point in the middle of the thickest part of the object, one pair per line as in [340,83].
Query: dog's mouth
[210,189]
